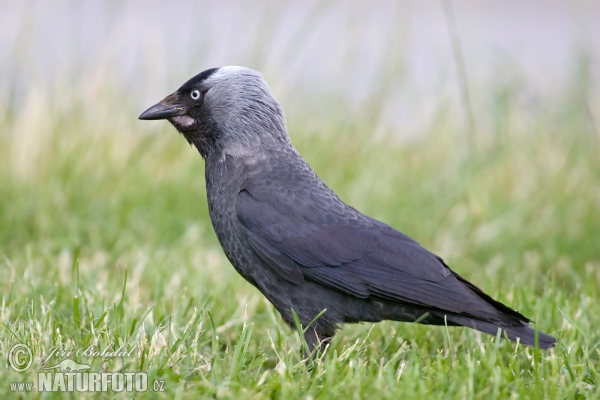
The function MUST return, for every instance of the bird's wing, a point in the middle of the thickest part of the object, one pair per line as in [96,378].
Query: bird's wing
[343,249]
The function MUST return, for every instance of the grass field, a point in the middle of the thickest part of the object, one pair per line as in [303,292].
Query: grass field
[105,241]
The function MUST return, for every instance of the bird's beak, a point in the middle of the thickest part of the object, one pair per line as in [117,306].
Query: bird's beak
[167,108]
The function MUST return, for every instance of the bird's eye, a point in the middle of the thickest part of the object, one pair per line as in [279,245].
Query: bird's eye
[195,95]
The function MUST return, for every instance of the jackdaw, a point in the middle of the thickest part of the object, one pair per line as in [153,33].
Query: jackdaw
[288,234]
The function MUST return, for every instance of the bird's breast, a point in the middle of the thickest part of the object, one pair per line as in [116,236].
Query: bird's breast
[224,181]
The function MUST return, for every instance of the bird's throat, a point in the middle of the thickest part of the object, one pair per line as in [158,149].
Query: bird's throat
[183,121]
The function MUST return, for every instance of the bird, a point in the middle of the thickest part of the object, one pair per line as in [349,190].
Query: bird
[315,258]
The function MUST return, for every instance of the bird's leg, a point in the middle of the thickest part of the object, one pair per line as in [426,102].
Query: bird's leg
[316,344]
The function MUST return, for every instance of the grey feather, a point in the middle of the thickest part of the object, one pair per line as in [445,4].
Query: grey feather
[294,239]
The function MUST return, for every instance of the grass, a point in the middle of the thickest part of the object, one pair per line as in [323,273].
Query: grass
[105,241]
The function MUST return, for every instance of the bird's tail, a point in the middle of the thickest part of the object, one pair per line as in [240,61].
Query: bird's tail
[523,332]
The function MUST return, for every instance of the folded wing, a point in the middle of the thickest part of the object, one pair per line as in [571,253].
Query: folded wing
[356,254]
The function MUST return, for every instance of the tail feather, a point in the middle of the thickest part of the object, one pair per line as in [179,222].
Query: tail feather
[523,332]
[514,326]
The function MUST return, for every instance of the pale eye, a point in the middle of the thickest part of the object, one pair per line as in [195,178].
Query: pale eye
[195,95]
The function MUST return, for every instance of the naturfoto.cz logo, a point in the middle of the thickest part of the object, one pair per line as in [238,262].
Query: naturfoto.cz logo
[70,376]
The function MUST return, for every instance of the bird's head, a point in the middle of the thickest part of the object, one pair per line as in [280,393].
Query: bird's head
[227,110]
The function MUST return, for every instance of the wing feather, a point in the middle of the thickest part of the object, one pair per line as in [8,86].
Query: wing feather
[352,253]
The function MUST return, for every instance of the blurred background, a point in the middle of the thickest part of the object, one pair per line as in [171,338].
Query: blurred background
[472,126]
[396,104]
[463,123]
[414,54]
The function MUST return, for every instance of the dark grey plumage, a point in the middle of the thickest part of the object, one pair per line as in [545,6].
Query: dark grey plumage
[292,237]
